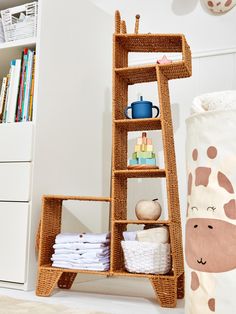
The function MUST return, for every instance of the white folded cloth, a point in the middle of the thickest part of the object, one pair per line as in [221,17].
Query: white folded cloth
[223,100]
[82,237]
[78,246]
[156,235]
[90,252]
[98,267]
[129,235]
[77,259]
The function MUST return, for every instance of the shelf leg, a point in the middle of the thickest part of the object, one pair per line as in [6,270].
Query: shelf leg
[46,282]
[166,291]
[66,280]
[180,287]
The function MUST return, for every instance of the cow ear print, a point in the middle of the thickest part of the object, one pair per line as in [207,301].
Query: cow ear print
[228,3]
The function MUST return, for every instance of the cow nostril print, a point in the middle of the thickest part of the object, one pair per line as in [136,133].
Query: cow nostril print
[210,227]
[195,226]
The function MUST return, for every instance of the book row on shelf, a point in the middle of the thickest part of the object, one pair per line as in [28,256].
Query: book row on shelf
[17,90]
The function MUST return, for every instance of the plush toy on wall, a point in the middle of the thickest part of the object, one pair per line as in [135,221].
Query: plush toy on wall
[220,6]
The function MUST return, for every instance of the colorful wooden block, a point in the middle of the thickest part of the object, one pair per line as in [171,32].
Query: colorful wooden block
[149,148]
[139,141]
[143,147]
[144,155]
[142,161]
[133,161]
[151,161]
[137,148]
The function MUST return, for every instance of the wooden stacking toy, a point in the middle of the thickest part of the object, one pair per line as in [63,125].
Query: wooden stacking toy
[143,156]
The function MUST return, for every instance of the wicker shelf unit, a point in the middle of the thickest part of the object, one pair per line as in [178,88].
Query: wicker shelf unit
[168,287]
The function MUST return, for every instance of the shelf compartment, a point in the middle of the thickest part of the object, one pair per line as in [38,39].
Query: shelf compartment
[142,173]
[148,73]
[142,222]
[150,42]
[138,74]
[131,125]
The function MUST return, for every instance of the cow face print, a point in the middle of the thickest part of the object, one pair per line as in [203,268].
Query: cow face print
[210,245]
[211,217]
[220,6]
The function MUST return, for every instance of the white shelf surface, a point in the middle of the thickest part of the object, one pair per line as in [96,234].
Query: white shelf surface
[21,43]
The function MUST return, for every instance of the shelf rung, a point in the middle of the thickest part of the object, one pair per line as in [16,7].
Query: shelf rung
[51,268]
[141,173]
[78,198]
[137,275]
[141,222]
[139,124]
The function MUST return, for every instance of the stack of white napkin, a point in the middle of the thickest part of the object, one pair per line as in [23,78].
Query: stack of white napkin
[2,36]
[88,251]
[156,235]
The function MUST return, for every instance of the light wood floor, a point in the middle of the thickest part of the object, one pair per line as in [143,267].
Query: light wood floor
[112,295]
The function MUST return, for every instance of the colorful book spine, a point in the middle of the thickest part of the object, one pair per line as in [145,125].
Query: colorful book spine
[9,90]
[27,86]
[14,91]
[2,96]
[32,91]
[20,100]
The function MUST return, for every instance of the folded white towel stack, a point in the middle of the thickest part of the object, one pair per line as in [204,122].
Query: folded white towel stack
[87,251]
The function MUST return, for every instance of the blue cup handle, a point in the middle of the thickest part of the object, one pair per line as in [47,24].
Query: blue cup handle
[155,107]
[126,111]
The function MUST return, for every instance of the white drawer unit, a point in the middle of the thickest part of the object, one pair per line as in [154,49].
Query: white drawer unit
[13,240]
[49,155]
[16,141]
[15,181]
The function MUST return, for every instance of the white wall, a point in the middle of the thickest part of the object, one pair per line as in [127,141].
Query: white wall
[203,30]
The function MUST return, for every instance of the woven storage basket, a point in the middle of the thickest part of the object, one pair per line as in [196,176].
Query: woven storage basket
[146,257]
[14,28]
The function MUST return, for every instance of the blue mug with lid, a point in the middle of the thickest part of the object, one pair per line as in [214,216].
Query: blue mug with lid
[141,109]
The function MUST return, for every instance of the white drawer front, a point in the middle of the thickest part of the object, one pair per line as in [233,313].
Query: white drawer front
[15,181]
[16,141]
[13,241]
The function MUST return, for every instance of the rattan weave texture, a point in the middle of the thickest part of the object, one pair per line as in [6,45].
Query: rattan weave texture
[168,287]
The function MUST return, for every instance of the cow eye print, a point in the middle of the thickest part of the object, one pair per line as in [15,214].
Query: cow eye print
[210,227]
[194,208]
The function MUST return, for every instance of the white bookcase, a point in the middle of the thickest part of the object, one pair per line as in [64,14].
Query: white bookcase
[47,155]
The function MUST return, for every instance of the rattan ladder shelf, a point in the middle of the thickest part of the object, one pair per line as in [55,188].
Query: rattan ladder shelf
[168,287]
[171,286]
